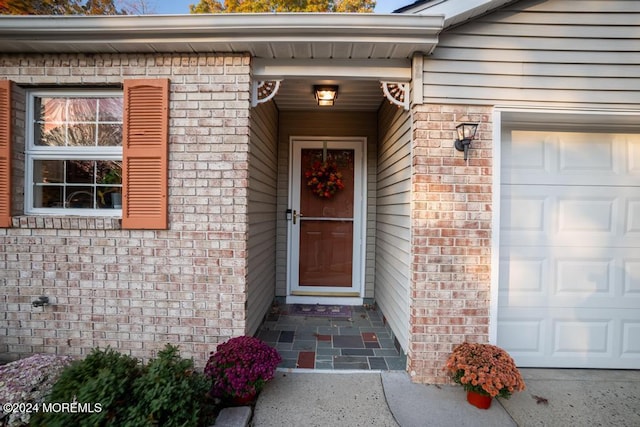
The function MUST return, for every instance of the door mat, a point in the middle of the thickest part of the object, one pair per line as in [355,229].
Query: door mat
[320,310]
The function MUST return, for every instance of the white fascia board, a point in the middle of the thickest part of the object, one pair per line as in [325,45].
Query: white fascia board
[43,33]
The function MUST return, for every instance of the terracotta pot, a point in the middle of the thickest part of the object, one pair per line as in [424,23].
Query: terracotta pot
[482,401]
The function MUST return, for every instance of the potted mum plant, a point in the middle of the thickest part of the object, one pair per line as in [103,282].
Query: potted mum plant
[240,368]
[485,371]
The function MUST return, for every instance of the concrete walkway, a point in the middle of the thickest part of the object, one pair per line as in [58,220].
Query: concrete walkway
[554,397]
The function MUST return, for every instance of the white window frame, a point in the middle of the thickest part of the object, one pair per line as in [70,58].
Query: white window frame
[34,152]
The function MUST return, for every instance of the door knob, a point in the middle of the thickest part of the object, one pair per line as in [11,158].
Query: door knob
[296,215]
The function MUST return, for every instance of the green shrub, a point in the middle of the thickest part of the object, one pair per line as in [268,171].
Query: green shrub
[104,377]
[166,392]
[170,393]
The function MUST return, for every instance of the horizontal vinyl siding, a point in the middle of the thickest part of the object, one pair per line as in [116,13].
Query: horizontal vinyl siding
[393,220]
[262,213]
[331,124]
[541,52]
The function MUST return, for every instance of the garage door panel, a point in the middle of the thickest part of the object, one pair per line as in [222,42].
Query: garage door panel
[523,274]
[526,153]
[524,212]
[585,277]
[524,336]
[633,156]
[632,210]
[586,213]
[569,158]
[631,339]
[599,158]
[631,273]
[576,337]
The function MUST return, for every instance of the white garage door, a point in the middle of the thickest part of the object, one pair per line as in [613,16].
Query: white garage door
[569,282]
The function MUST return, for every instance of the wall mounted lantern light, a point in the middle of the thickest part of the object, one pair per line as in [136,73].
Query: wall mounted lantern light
[466,132]
[326,95]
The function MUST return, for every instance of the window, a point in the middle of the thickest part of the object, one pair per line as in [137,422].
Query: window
[74,153]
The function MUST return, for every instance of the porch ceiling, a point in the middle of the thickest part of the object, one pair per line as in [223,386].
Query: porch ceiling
[353,95]
[272,36]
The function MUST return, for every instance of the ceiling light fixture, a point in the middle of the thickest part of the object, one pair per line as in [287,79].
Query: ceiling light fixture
[325,94]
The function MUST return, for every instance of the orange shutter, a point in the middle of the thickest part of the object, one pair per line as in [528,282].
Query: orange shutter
[5,153]
[145,154]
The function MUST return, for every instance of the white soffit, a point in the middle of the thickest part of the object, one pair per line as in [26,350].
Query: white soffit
[269,36]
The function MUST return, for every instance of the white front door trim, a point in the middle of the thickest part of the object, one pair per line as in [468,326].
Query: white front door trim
[321,295]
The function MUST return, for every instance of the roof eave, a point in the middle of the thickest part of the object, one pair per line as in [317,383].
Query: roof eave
[455,11]
[211,32]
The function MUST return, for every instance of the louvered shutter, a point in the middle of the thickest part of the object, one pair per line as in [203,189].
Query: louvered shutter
[145,154]
[5,153]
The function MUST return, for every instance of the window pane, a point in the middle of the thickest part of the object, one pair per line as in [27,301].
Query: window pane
[110,135]
[110,109]
[80,171]
[82,135]
[80,197]
[109,180]
[109,172]
[109,197]
[48,196]
[47,171]
[83,109]
[51,110]
[50,116]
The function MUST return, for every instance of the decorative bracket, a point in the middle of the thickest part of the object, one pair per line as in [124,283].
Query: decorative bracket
[397,93]
[263,91]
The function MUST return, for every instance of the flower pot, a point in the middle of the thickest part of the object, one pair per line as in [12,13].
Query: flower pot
[244,400]
[479,400]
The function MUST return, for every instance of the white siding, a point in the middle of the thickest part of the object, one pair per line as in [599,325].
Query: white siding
[261,274]
[559,52]
[393,251]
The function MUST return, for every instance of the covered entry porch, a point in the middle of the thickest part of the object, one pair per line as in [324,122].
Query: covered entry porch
[351,248]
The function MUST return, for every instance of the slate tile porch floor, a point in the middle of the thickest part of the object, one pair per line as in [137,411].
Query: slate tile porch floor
[361,342]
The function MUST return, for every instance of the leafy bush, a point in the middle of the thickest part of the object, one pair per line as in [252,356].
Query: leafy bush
[166,392]
[29,380]
[104,377]
[170,393]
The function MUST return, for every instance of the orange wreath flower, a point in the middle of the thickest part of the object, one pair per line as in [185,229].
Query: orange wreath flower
[323,179]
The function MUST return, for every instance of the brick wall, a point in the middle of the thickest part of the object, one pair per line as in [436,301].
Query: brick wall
[451,237]
[137,290]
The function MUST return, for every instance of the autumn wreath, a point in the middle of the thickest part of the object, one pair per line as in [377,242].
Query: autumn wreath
[323,179]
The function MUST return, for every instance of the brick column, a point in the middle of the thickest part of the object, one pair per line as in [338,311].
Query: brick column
[451,237]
